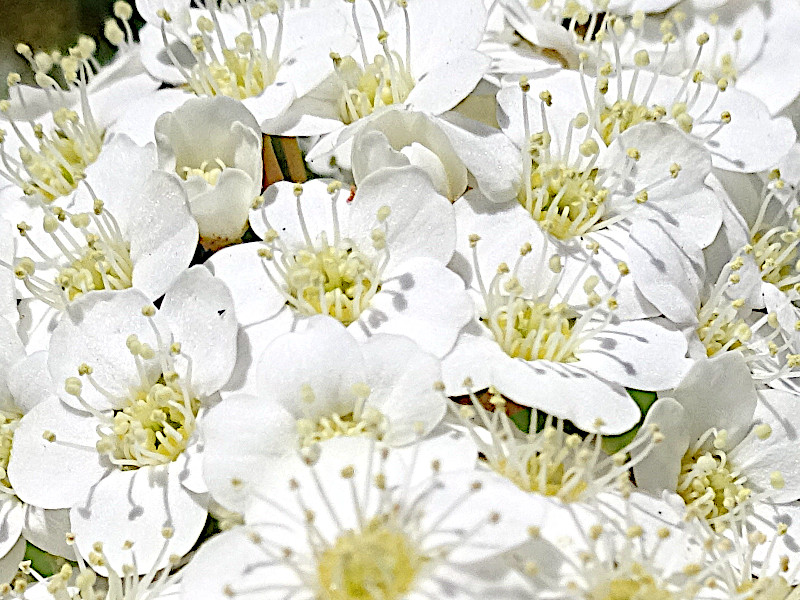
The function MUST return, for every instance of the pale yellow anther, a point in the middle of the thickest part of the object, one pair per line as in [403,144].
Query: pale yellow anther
[634,153]
[167,532]
[776,480]
[73,386]
[763,431]
[149,310]
[48,436]
[634,531]
[641,58]
[589,148]
[546,97]
[555,263]
[123,10]
[674,169]
[524,85]
[722,84]
[383,213]
[298,189]
[702,39]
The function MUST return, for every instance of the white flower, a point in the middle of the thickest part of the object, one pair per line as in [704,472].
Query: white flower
[454,151]
[72,122]
[728,450]
[132,228]
[546,336]
[350,526]
[118,450]
[377,263]
[735,127]
[419,54]
[314,386]
[214,145]
[264,55]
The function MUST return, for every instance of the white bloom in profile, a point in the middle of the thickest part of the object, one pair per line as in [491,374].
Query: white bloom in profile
[546,336]
[376,262]
[313,386]
[50,135]
[350,526]
[132,228]
[728,450]
[214,145]
[117,447]
[419,55]
[454,152]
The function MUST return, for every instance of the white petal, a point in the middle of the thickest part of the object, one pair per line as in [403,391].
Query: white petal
[448,83]
[424,301]
[135,506]
[47,529]
[199,310]
[55,474]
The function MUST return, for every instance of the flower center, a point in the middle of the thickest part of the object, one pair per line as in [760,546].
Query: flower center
[101,265]
[636,585]
[624,114]
[377,563]
[709,484]
[775,253]
[210,171]
[338,281]
[382,82]
[8,424]
[721,329]
[567,201]
[60,162]
[371,423]
[766,588]
[534,330]
[153,428]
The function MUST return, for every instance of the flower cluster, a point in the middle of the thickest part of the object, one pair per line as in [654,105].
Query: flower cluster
[403,300]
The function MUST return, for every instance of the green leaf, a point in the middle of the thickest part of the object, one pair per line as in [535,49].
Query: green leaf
[614,443]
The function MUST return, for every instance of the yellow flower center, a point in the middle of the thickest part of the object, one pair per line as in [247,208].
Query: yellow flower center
[637,585]
[338,281]
[381,83]
[210,171]
[371,423]
[153,428]
[775,253]
[721,329]
[377,563]
[103,264]
[8,424]
[534,330]
[710,485]
[62,157]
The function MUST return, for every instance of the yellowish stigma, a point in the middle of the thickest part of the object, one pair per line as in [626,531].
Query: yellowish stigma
[534,330]
[102,265]
[338,281]
[153,428]
[380,83]
[377,563]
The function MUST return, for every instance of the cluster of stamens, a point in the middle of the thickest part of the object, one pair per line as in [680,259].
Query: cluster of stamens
[50,164]
[157,417]
[385,80]
[712,487]
[241,70]
[333,277]
[8,424]
[727,325]
[208,170]
[101,262]
[361,421]
[774,237]
[568,196]
[542,324]
[548,460]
